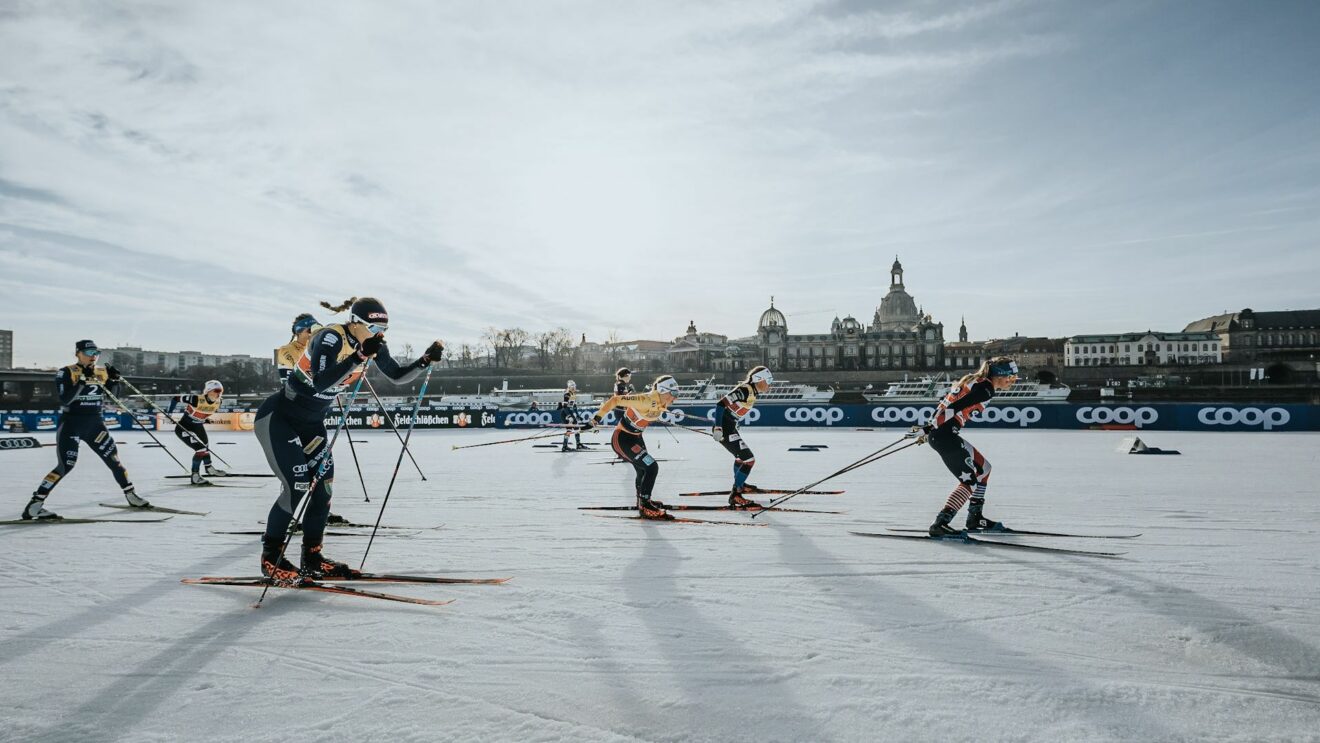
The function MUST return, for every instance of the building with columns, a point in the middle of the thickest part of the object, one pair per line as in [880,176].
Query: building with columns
[900,336]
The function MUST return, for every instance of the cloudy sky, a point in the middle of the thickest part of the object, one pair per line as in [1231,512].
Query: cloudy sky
[192,175]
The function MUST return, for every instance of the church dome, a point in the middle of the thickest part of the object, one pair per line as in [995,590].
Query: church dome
[772,318]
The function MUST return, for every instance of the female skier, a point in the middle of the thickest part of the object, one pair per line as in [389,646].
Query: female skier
[967,396]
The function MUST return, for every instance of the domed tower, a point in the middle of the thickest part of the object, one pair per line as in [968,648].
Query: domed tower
[773,331]
[898,310]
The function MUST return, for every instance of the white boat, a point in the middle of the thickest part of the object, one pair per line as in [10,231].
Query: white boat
[503,397]
[781,392]
[933,389]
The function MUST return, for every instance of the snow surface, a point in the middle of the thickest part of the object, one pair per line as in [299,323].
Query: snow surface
[1209,628]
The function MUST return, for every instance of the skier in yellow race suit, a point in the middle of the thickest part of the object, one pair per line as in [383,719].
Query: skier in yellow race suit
[638,412]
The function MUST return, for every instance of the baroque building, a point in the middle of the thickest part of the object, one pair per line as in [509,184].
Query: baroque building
[900,336]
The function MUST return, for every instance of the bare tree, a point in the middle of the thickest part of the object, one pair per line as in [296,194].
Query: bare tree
[613,349]
[563,350]
[505,344]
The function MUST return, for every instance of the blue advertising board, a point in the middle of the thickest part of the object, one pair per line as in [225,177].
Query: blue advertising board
[1155,416]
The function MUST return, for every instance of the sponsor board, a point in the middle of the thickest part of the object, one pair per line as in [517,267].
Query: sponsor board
[1117,416]
[1266,419]
[427,417]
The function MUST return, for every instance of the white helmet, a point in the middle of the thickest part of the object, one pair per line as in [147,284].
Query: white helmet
[667,384]
[760,374]
[572,385]
[213,385]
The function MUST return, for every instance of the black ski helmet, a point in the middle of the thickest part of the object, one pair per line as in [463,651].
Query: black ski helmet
[368,311]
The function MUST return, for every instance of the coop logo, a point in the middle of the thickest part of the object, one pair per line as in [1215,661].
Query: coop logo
[828,416]
[672,416]
[895,414]
[529,419]
[1021,416]
[1137,417]
[1253,417]
[375,420]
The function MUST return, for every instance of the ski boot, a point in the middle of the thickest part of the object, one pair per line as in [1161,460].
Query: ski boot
[738,502]
[213,471]
[197,479]
[275,566]
[335,518]
[134,499]
[317,566]
[564,446]
[976,521]
[941,529]
[36,510]
[581,446]
[653,510]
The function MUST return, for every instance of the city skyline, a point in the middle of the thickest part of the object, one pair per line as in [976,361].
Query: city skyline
[194,176]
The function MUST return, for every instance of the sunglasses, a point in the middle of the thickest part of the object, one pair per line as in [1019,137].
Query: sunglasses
[91,352]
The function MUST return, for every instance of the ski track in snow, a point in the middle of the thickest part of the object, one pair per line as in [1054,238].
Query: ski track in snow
[1208,629]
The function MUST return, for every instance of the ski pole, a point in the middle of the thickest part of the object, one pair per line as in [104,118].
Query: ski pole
[344,412]
[156,408]
[513,441]
[390,418]
[411,423]
[133,415]
[868,459]
[322,466]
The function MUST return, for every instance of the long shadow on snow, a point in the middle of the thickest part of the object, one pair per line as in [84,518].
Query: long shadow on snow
[37,638]
[954,648]
[650,578]
[117,709]
[1244,634]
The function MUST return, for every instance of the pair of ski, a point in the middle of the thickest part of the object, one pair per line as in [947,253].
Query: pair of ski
[964,537]
[685,507]
[752,489]
[230,474]
[63,520]
[331,585]
[344,525]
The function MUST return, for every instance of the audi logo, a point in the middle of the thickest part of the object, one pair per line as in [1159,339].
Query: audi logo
[828,416]
[19,443]
[1269,418]
[1135,416]
[895,414]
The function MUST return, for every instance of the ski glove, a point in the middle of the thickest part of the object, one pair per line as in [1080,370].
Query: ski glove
[434,352]
[369,347]
[112,373]
[591,423]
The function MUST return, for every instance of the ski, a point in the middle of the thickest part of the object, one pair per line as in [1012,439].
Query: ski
[1021,532]
[366,578]
[623,461]
[351,525]
[556,446]
[685,507]
[231,474]
[763,491]
[157,509]
[675,520]
[308,585]
[211,484]
[259,532]
[965,539]
[62,520]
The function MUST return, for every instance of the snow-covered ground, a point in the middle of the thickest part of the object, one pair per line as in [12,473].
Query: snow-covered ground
[1209,628]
